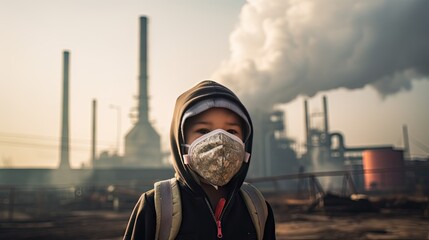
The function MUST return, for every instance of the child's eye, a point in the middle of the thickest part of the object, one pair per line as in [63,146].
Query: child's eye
[232,131]
[203,131]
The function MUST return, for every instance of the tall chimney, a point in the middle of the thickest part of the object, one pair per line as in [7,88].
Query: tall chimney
[407,152]
[142,142]
[325,116]
[65,154]
[307,124]
[94,131]
[143,105]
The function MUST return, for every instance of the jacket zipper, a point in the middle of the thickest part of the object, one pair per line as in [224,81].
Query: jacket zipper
[218,220]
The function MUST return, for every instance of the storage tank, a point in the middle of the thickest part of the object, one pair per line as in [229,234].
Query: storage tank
[383,169]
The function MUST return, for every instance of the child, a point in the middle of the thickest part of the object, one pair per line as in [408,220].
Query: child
[211,141]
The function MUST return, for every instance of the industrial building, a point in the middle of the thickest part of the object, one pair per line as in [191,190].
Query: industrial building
[274,154]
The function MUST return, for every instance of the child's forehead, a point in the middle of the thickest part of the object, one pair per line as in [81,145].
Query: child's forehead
[216,112]
[215,117]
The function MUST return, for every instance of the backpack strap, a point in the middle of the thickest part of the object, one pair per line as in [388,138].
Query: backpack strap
[168,209]
[257,207]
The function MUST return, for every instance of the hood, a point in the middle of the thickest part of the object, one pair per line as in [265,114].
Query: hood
[204,90]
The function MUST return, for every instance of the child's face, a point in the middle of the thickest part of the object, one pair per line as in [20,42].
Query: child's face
[214,118]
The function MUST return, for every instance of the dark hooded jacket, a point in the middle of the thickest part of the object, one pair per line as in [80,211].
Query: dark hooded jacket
[197,219]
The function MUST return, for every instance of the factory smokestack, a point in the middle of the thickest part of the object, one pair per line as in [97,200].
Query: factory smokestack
[143,143]
[407,152]
[94,131]
[64,150]
[143,105]
[307,124]
[325,118]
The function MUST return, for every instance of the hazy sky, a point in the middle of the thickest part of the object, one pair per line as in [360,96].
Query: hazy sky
[369,59]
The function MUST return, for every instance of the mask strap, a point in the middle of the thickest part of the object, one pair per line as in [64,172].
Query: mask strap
[186,159]
[246,158]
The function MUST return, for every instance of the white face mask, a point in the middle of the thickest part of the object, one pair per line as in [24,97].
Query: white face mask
[216,156]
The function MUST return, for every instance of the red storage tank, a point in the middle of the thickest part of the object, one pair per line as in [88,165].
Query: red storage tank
[383,169]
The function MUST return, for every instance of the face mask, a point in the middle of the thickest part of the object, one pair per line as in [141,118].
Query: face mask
[216,156]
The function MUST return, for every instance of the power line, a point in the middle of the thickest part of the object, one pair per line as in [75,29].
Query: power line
[50,138]
[421,146]
[41,146]
[28,141]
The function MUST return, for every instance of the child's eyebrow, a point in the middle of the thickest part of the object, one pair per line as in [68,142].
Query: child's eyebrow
[234,124]
[201,122]
[209,123]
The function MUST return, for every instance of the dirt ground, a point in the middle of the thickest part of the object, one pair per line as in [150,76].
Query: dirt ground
[77,225]
[354,226]
[110,225]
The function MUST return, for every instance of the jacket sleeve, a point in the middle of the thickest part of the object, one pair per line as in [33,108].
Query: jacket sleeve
[142,222]
[270,226]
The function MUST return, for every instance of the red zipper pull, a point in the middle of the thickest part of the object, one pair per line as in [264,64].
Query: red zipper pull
[219,229]
[219,208]
[218,213]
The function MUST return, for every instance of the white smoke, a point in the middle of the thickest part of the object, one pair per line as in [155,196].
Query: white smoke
[284,48]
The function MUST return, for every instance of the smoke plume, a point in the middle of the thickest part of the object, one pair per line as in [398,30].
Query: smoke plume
[284,48]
